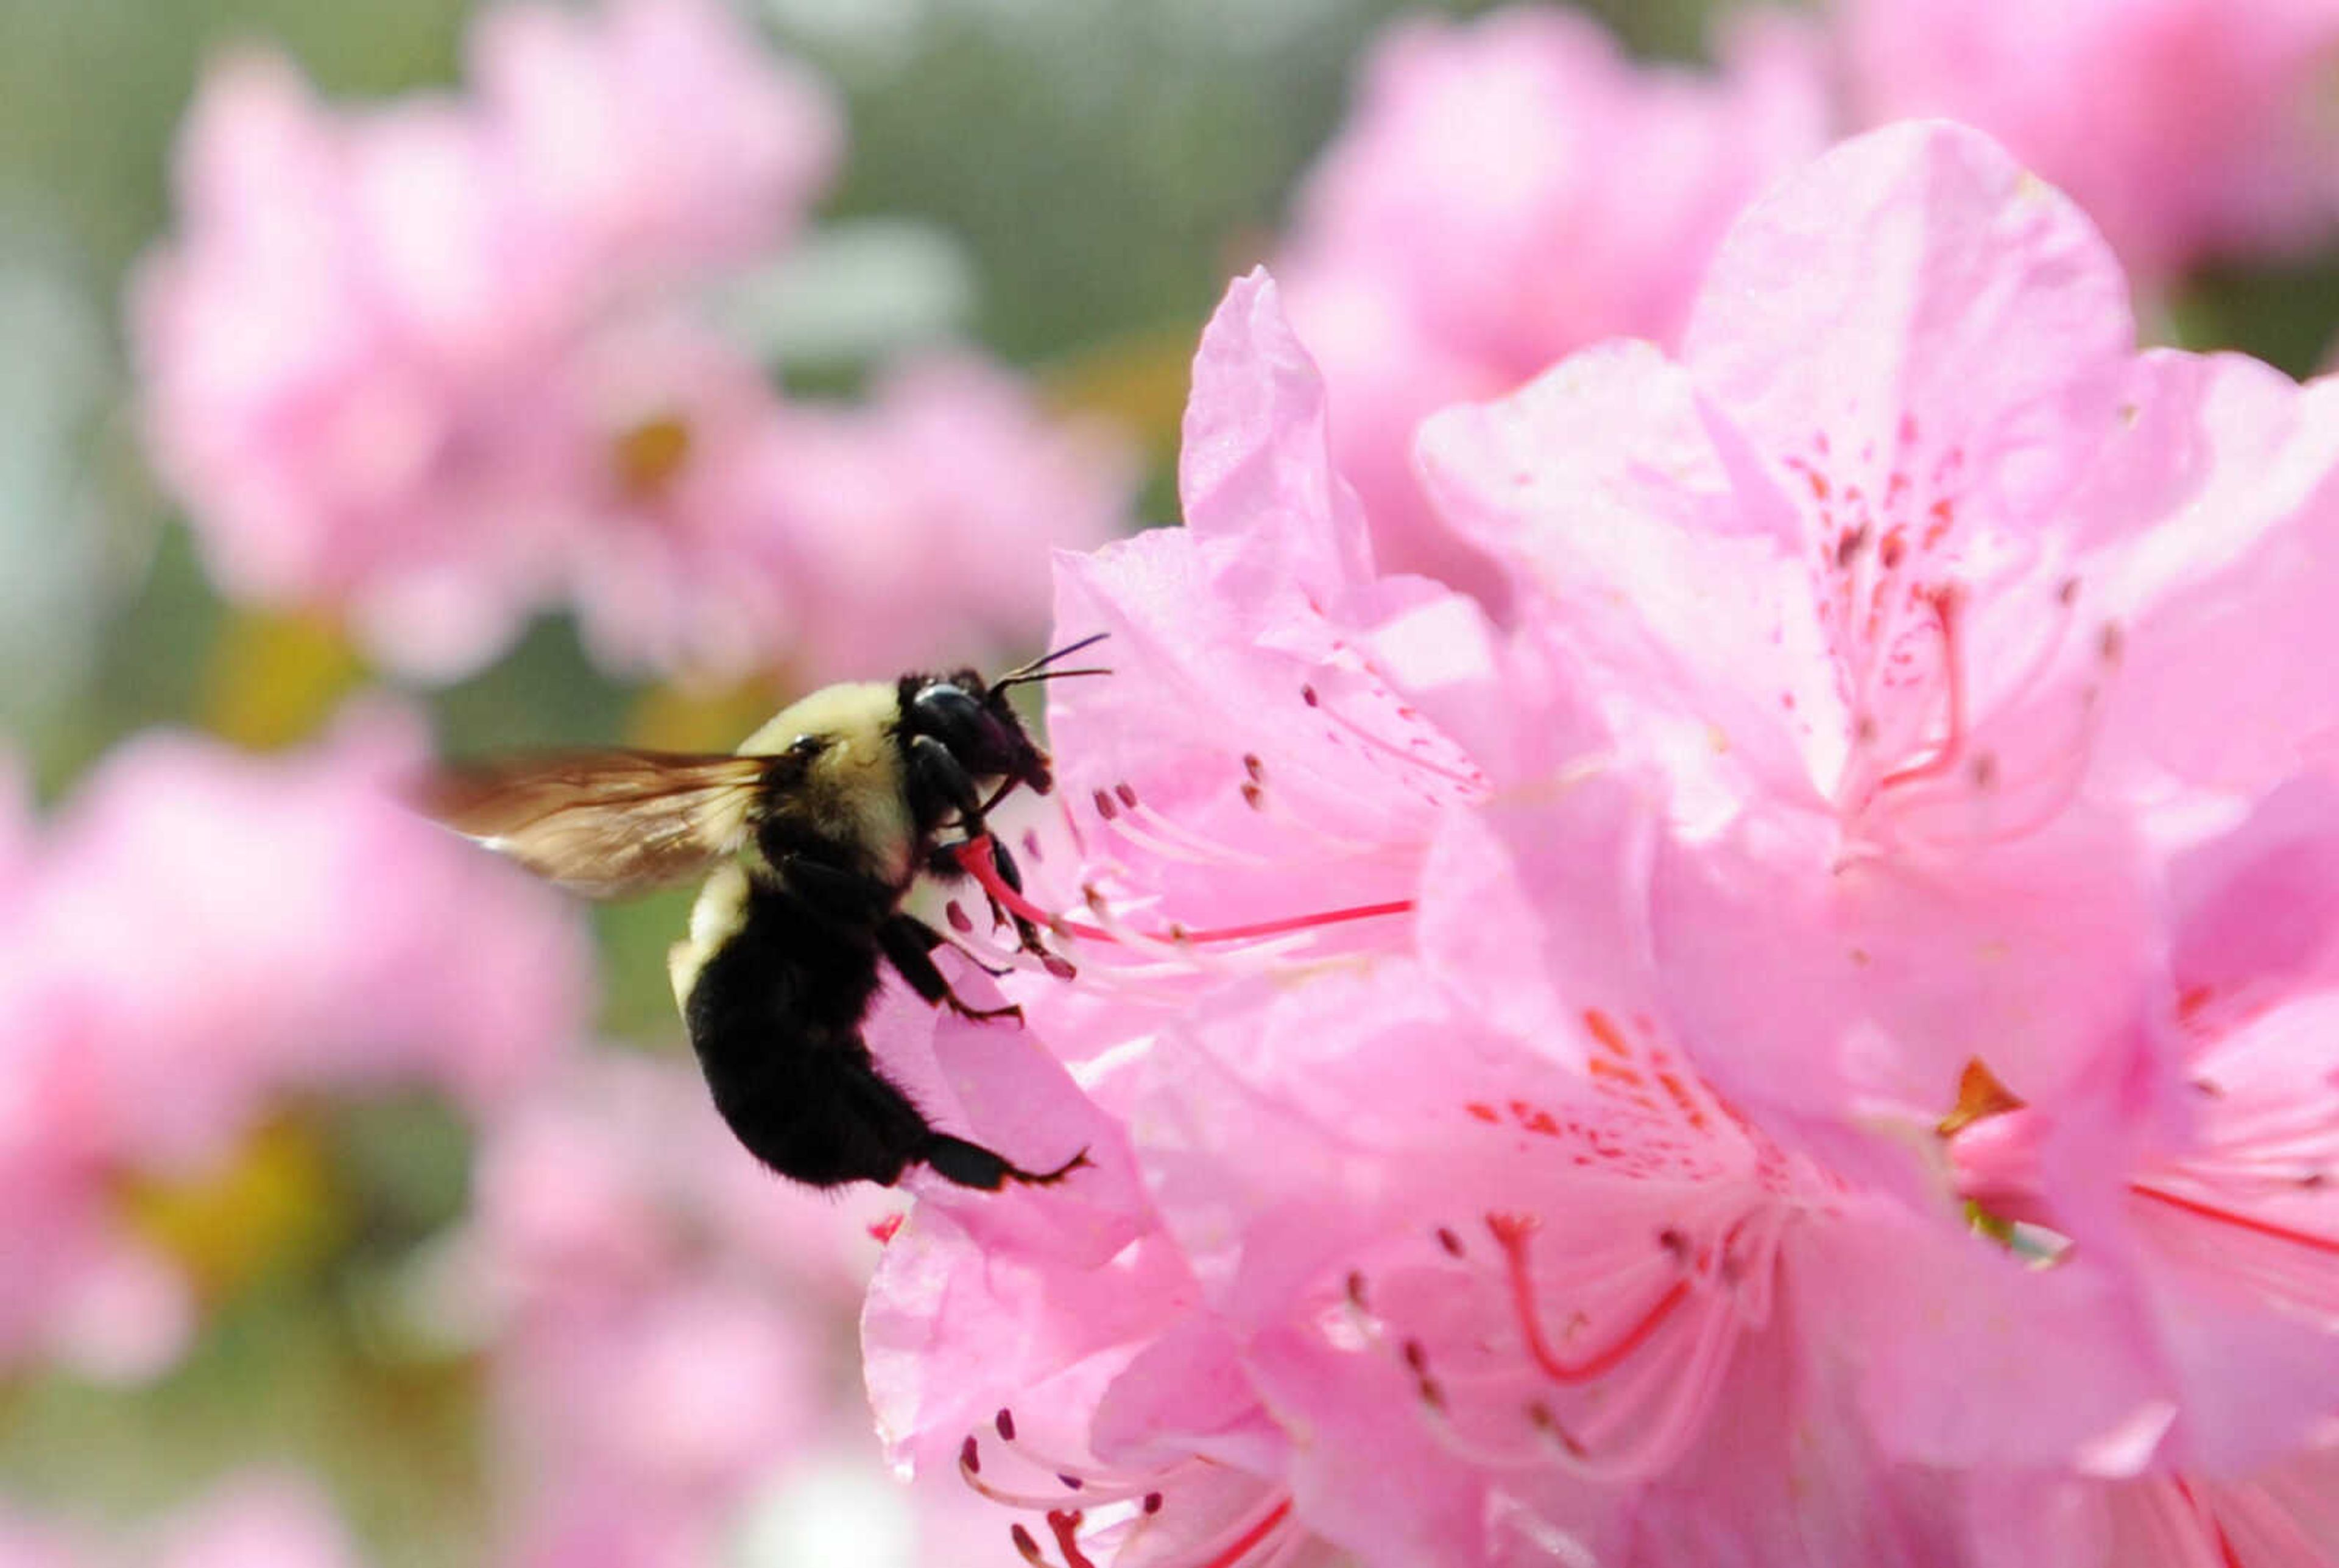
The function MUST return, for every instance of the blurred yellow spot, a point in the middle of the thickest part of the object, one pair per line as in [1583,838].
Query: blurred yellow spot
[647,457]
[273,680]
[1138,380]
[678,719]
[268,1207]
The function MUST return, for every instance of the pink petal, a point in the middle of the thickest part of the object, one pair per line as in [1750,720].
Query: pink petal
[2215,525]
[1917,279]
[1966,1357]
[1627,508]
[1254,467]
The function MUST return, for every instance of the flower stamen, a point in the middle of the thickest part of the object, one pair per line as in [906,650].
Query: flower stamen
[1945,601]
[1512,1232]
[975,856]
[1472,780]
[2227,1216]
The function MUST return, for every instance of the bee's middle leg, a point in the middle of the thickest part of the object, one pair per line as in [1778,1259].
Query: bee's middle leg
[909,943]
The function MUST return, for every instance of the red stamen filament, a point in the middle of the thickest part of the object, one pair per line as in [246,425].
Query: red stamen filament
[1252,1536]
[1065,1525]
[2207,1519]
[1512,1236]
[2227,1216]
[1944,602]
[974,855]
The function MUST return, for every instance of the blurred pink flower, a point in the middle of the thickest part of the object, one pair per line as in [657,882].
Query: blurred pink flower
[200,936]
[2190,130]
[259,1520]
[330,347]
[835,539]
[425,366]
[1501,1150]
[1505,193]
[671,1330]
[655,139]
[923,518]
[262,1518]
[370,358]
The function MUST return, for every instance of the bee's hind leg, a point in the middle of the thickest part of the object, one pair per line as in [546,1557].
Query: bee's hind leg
[909,943]
[972,1165]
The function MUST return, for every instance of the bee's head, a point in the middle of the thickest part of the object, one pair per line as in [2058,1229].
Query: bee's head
[974,719]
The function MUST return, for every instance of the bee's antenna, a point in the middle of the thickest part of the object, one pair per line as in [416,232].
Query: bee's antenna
[1037,670]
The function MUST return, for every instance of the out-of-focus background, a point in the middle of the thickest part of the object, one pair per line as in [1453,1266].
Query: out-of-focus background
[383,378]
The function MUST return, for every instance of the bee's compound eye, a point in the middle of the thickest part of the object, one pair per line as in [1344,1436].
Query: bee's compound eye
[947,713]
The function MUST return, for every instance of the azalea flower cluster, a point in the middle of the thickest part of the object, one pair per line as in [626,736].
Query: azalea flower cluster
[1512,189]
[1804,1038]
[438,365]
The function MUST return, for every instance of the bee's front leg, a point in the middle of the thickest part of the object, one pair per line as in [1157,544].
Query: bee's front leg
[944,866]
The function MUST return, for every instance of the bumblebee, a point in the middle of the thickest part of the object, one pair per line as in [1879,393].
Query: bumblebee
[810,837]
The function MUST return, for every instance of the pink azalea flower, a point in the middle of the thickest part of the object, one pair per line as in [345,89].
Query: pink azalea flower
[2188,129]
[1506,191]
[1501,1151]
[1309,1132]
[1913,575]
[241,930]
[2206,1248]
[2281,1518]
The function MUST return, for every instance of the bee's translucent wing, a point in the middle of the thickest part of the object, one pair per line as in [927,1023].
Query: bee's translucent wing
[603,823]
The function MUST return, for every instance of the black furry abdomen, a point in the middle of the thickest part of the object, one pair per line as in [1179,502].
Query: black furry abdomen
[775,1015]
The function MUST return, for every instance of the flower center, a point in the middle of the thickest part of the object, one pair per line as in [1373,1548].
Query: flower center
[1594,1333]
[646,458]
[1936,755]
